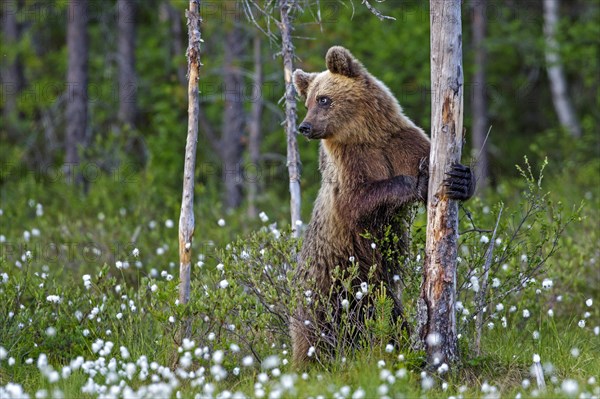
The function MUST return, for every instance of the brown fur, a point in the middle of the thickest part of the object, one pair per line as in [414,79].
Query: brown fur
[370,155]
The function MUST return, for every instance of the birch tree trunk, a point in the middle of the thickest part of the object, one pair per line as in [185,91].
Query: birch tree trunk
[293,157]
[556,75]
[186,218]
[479,100]
[126,61]
[77,76]
[437,317]
[254,128]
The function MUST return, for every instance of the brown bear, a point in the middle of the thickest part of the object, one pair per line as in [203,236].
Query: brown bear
[374,164]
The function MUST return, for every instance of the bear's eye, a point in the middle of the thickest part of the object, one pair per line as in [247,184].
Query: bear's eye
[324,101]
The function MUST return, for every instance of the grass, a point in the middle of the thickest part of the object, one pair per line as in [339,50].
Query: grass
[130,302]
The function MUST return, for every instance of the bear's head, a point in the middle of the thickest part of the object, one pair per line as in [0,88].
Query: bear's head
[346,103]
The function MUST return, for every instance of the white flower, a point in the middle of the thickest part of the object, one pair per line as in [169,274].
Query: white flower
[389,348]
[221,222]
[169,224]
[484,239]
[547,283]
[526,313]
[224,284]
[499,307]
[171,319]
[364,287]
[358,394]
[373,245]
[570,387]
[589,302]
[536,335]
[550,312]
[119,264]
[247,361]
[311,351]
[135,252]
[581,323]
[53,298]
[351,259]
[536,358]
[263,217]
[359,295]
[524,258]
[154,288]
[220,267]
[345,303]
[495,282]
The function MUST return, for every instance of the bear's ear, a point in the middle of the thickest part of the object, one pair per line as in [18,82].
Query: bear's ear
[341,61]
[302,80]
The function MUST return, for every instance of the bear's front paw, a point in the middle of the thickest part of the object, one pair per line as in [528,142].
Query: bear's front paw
[423,179]
[460,183]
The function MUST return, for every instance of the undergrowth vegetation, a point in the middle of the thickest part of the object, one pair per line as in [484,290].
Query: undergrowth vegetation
[90,309]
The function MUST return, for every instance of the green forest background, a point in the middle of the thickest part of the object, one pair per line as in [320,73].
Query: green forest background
[118,226]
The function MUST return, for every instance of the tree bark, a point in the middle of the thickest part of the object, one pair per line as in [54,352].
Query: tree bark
[254,124]
[186,217]
[233,116]
[437,317]
[10,72]
[556,75]
[293,157]
[126,61]
[77,77]
[479,100]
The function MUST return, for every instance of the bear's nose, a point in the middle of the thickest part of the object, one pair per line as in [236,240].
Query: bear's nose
[305,128]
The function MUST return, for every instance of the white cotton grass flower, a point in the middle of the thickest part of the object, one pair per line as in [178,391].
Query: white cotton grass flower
[53,298]
[547,283]
[526,313]
[589,302]
[169,224]
[484,239]
[581,323]
[135,252]
[224,284]
[221,222]
[495,282]
[570,387]
[345,304]
[263,217]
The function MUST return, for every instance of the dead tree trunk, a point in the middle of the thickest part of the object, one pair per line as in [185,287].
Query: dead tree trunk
[556,75]
[231,147]
[126,61]
[478,100]
[293,157]
[77,76]
[437,317]
[254,124]
[186,217]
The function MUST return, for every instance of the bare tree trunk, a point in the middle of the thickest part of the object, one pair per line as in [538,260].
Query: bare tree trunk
[293,157]
[233,117]
[556,75]
[10,72]
[77,44]
[479,101]
[186,217]
[437,316]
[126,58]
[254,128]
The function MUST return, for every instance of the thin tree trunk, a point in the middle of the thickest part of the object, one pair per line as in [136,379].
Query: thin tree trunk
[77,44]
[556,75]
[254,128]
[293,157]
[437,316]
[126,58]
[233,117]
[479,101]
[186,218]
[11,76]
